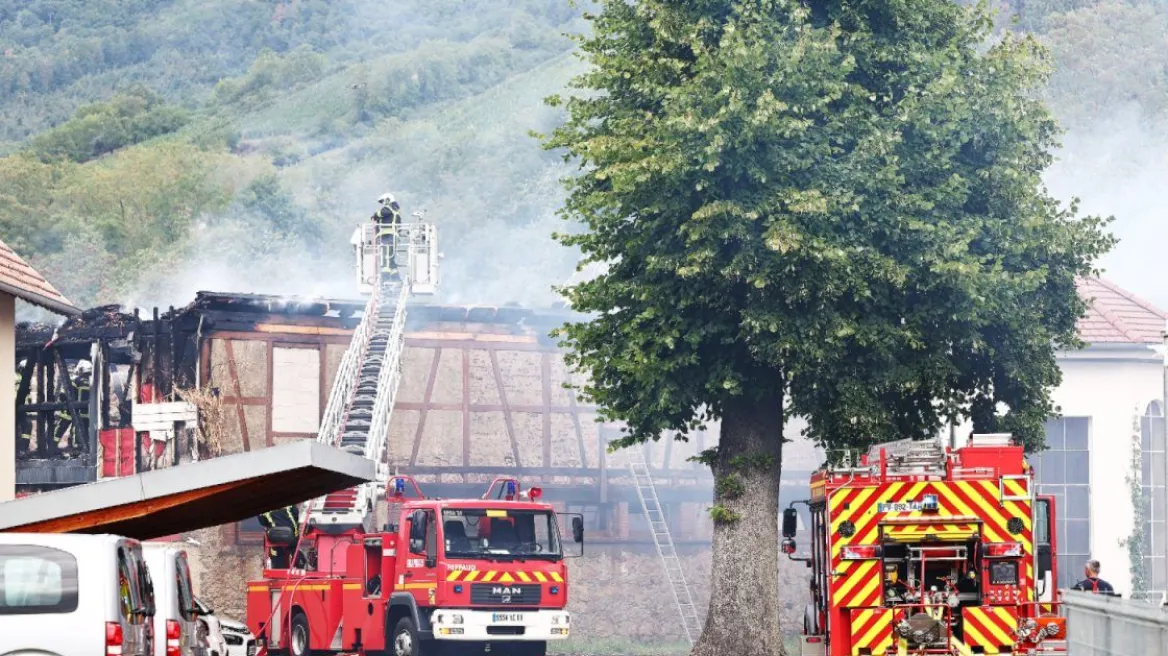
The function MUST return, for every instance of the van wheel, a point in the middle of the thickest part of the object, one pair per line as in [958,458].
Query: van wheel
[405,639]
[299,639]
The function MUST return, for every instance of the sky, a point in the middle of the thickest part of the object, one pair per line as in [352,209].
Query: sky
[1120,168]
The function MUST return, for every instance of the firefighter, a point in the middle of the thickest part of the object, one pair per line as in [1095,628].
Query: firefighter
[23,425]
[288,517]
[1093,583]
[388,220]
[81,381]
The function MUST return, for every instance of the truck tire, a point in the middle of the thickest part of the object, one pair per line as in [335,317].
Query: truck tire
[299,640]
[405,640]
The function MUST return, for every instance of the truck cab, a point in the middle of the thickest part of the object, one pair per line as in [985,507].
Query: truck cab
[454,576]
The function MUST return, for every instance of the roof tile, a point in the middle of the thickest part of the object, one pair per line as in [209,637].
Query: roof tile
[1116,316]
[23,281]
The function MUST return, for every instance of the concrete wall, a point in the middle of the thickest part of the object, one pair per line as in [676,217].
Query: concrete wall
[7,398]
[1108,626]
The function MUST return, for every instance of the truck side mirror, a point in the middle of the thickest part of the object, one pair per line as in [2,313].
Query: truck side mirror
[417,532]
[431,533]
[1043,554]
[788,546]
[578,529]
[790,523]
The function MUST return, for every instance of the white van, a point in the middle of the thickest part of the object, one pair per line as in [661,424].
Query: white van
[176,615]
[64,594]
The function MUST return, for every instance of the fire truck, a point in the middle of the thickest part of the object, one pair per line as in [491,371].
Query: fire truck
[921,548]
[449,577]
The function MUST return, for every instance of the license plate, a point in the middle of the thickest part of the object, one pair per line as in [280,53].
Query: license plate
[507,617]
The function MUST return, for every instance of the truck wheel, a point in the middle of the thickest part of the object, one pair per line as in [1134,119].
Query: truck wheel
[405,639]
[298,639]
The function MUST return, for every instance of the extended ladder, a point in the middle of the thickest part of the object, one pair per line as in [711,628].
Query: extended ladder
[651,505]
[357,416]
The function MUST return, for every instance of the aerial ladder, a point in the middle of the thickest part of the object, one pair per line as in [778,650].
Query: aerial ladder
[357,416]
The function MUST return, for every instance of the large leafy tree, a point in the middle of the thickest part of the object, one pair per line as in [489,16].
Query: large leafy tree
[830,209]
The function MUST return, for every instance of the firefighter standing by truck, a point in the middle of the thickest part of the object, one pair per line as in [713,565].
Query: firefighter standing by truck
[287,517]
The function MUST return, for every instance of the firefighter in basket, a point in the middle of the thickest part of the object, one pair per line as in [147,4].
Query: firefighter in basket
[388,220]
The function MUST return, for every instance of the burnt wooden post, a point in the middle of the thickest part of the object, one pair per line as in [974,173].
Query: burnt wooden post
[105,386]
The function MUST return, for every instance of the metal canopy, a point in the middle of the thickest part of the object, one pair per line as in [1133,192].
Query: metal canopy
[192,496]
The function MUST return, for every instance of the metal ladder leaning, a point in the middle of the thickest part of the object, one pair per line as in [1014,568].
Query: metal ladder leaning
[651,505]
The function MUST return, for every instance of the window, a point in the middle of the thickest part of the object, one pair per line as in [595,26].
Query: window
[127,585]
[481,533]
[1153,443]
[295,390]
[186,596]
[37,580]
[1064,471]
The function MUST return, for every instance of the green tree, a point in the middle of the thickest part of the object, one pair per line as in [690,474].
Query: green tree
[827,209]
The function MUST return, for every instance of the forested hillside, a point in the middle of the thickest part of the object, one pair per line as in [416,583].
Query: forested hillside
[152,148]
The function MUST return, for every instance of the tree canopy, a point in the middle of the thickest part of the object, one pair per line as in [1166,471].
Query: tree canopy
[832,209]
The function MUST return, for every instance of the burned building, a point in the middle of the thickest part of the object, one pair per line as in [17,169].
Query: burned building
[482,394]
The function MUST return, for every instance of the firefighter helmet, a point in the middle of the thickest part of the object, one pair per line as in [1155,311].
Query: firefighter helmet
[385,199]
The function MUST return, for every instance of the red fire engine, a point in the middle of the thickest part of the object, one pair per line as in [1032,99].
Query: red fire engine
[448,577]
[923,549]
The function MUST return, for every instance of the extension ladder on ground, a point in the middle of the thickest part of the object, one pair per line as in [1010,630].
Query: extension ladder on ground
[651,505]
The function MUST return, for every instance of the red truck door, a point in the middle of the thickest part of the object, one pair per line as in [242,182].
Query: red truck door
[1045,548]
[419,576]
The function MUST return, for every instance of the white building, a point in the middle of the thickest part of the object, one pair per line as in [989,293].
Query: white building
[1110,391]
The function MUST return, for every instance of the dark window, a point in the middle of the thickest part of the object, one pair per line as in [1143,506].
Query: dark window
[37,580]
[1064,472]
[186,595]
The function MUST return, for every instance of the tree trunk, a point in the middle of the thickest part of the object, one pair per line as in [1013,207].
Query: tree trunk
[744,597]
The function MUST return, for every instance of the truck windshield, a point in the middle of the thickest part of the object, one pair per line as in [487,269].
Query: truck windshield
[483,533]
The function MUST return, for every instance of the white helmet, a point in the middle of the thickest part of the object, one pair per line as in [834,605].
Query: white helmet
[385,199]
[83,367]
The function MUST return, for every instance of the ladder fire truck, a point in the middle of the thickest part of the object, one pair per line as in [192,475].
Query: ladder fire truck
[923,549]
[441,577]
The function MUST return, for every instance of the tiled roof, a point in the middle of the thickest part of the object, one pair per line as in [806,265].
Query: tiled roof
[1116,316]
[23,281]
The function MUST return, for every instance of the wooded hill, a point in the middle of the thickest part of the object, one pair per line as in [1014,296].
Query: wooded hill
[156,147]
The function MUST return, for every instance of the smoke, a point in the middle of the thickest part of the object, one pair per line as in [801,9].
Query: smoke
[1115,166]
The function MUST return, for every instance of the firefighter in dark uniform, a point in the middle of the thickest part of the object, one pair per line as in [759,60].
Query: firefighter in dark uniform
[23,424]
[1093,583]
[289,517]
[388,220]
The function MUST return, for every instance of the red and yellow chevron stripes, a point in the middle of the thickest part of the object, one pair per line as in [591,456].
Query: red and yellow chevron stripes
[496,576]
[871,631]
[857,582]
[938,531]
[991,628]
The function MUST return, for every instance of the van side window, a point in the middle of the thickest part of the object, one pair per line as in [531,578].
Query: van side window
[37,580]
[186,596]
[127,583]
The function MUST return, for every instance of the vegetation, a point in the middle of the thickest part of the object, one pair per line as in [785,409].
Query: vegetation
[335,102]
[832,210]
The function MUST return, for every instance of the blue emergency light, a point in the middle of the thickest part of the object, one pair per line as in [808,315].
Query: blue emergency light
[929,502]
[510,488]
[399,486]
